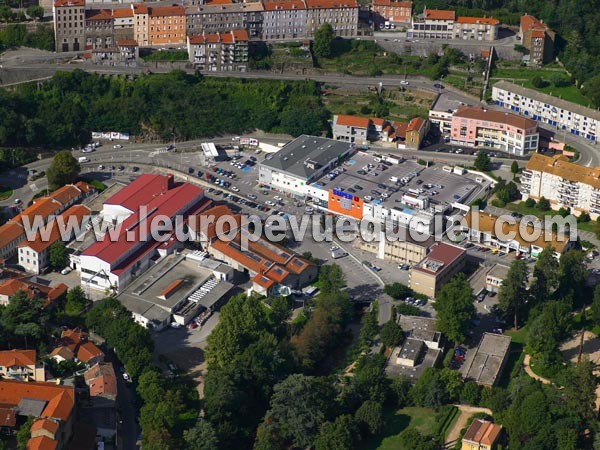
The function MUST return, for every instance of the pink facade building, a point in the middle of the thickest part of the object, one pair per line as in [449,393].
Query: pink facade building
[478,127]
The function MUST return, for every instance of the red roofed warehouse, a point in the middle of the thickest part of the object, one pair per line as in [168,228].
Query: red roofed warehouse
[112,262]
[441,263]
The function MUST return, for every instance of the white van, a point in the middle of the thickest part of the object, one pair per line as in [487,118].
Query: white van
[83,159]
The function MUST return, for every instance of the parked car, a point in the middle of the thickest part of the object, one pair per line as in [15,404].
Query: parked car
[66,270]
[117,146]
[235,189]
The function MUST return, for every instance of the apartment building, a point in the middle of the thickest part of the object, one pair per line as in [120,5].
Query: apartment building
[69,25]
[538,39]
[99,30]
[351,129]
[166,25]
[433,24]
[410,248]
[506,235]
[123,24]
[284,20]
[34,254]
[391,14]
[562,183]
[479,127]
[342,15]
[476,28]
[439,266]
[219,51]
[556,112]
[443,24]
[223,17]
[21,365]
[141,24]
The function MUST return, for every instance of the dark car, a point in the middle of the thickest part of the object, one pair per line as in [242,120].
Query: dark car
[135,169]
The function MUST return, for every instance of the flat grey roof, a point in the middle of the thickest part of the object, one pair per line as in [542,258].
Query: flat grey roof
[31,406]
[411,349]
[216,293]
[444,103]
[498,271]
[417,327]
[488,359]
[549,99]
[292,157]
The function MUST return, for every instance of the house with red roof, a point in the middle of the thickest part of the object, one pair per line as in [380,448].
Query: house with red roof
[74,344]
[443,24]
[112,263]
[50,403]
[437,268]
[219,51]
[538,38]
[102,383]
[21,365]
[10,286]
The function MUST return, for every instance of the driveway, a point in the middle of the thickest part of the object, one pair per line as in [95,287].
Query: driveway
[465,413]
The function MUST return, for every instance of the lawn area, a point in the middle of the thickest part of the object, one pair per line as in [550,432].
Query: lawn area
[520,207]
[423,419]
[523,76]
[178,55]
[5,192]
[518,336]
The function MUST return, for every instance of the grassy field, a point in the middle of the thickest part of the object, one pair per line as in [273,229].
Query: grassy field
[518,336]
[524,76]
[5,192]
[423,419]
[178,55]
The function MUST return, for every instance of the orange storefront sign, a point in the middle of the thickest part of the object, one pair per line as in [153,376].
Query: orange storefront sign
[344,203]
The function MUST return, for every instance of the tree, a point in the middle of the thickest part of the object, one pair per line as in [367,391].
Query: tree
[370,417]
[323,43]
[331,278]
[76,302]
[591,89]
[299,406]
[513,291]
[530,203]
[482,161]
[201,437]
[414,440]
[338,435]
[584,217]
[471,393]
[35,12]
[514,168]
[150,387]
[6,13]
[24,433]
[545,275]
[543,204]
[572,274]
[64,169]
[391,334]
[581,391]
[538,82]
[58,255]
[455,309]
[398,291]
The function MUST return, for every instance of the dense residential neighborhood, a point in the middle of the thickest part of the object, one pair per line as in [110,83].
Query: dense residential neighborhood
[299,224]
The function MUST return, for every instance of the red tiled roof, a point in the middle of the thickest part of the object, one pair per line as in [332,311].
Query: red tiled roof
[442,252]
[10,286]
[332,4]
[392,4]
[478,20]
[127,43]
[57,291]
[171,202]
[45,240]
[88,351]
[63,352]
[473,112]
[218,2]
[60,3]
[102,380]
[262,281]
[538,33]
[102,14]
[9,232]
[60,399]
[42,207]
[9,358]
[41,443]
[167,11]
[139,8]
[283,5]
[45,424]
[415,124]
[140,192]
[528,22]
[240,35]
[68,193]
[71,338]
[237,35]
[352,121]
[483,432]
[439,14]
[8,417]
[171,288]
[120,13]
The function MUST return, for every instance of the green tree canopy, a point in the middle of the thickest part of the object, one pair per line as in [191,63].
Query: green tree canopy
[64,169]
[482,161]
[323,42]
[391,334]
[455,309]
[58,255]
[513,291]
[201,437]
[338,435]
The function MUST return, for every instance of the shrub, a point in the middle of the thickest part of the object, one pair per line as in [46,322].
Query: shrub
[530,203]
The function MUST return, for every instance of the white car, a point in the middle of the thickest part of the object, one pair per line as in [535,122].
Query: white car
[404,83]
[66,270]
[117,146]
[235,138]
[277,198]
[252,196]
[269,203]
[235,189]
[175,325]
[100,167]
[126,376]
[17,201]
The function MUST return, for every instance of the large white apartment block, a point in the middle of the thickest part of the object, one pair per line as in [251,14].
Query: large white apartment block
[563,184]
[544,108]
